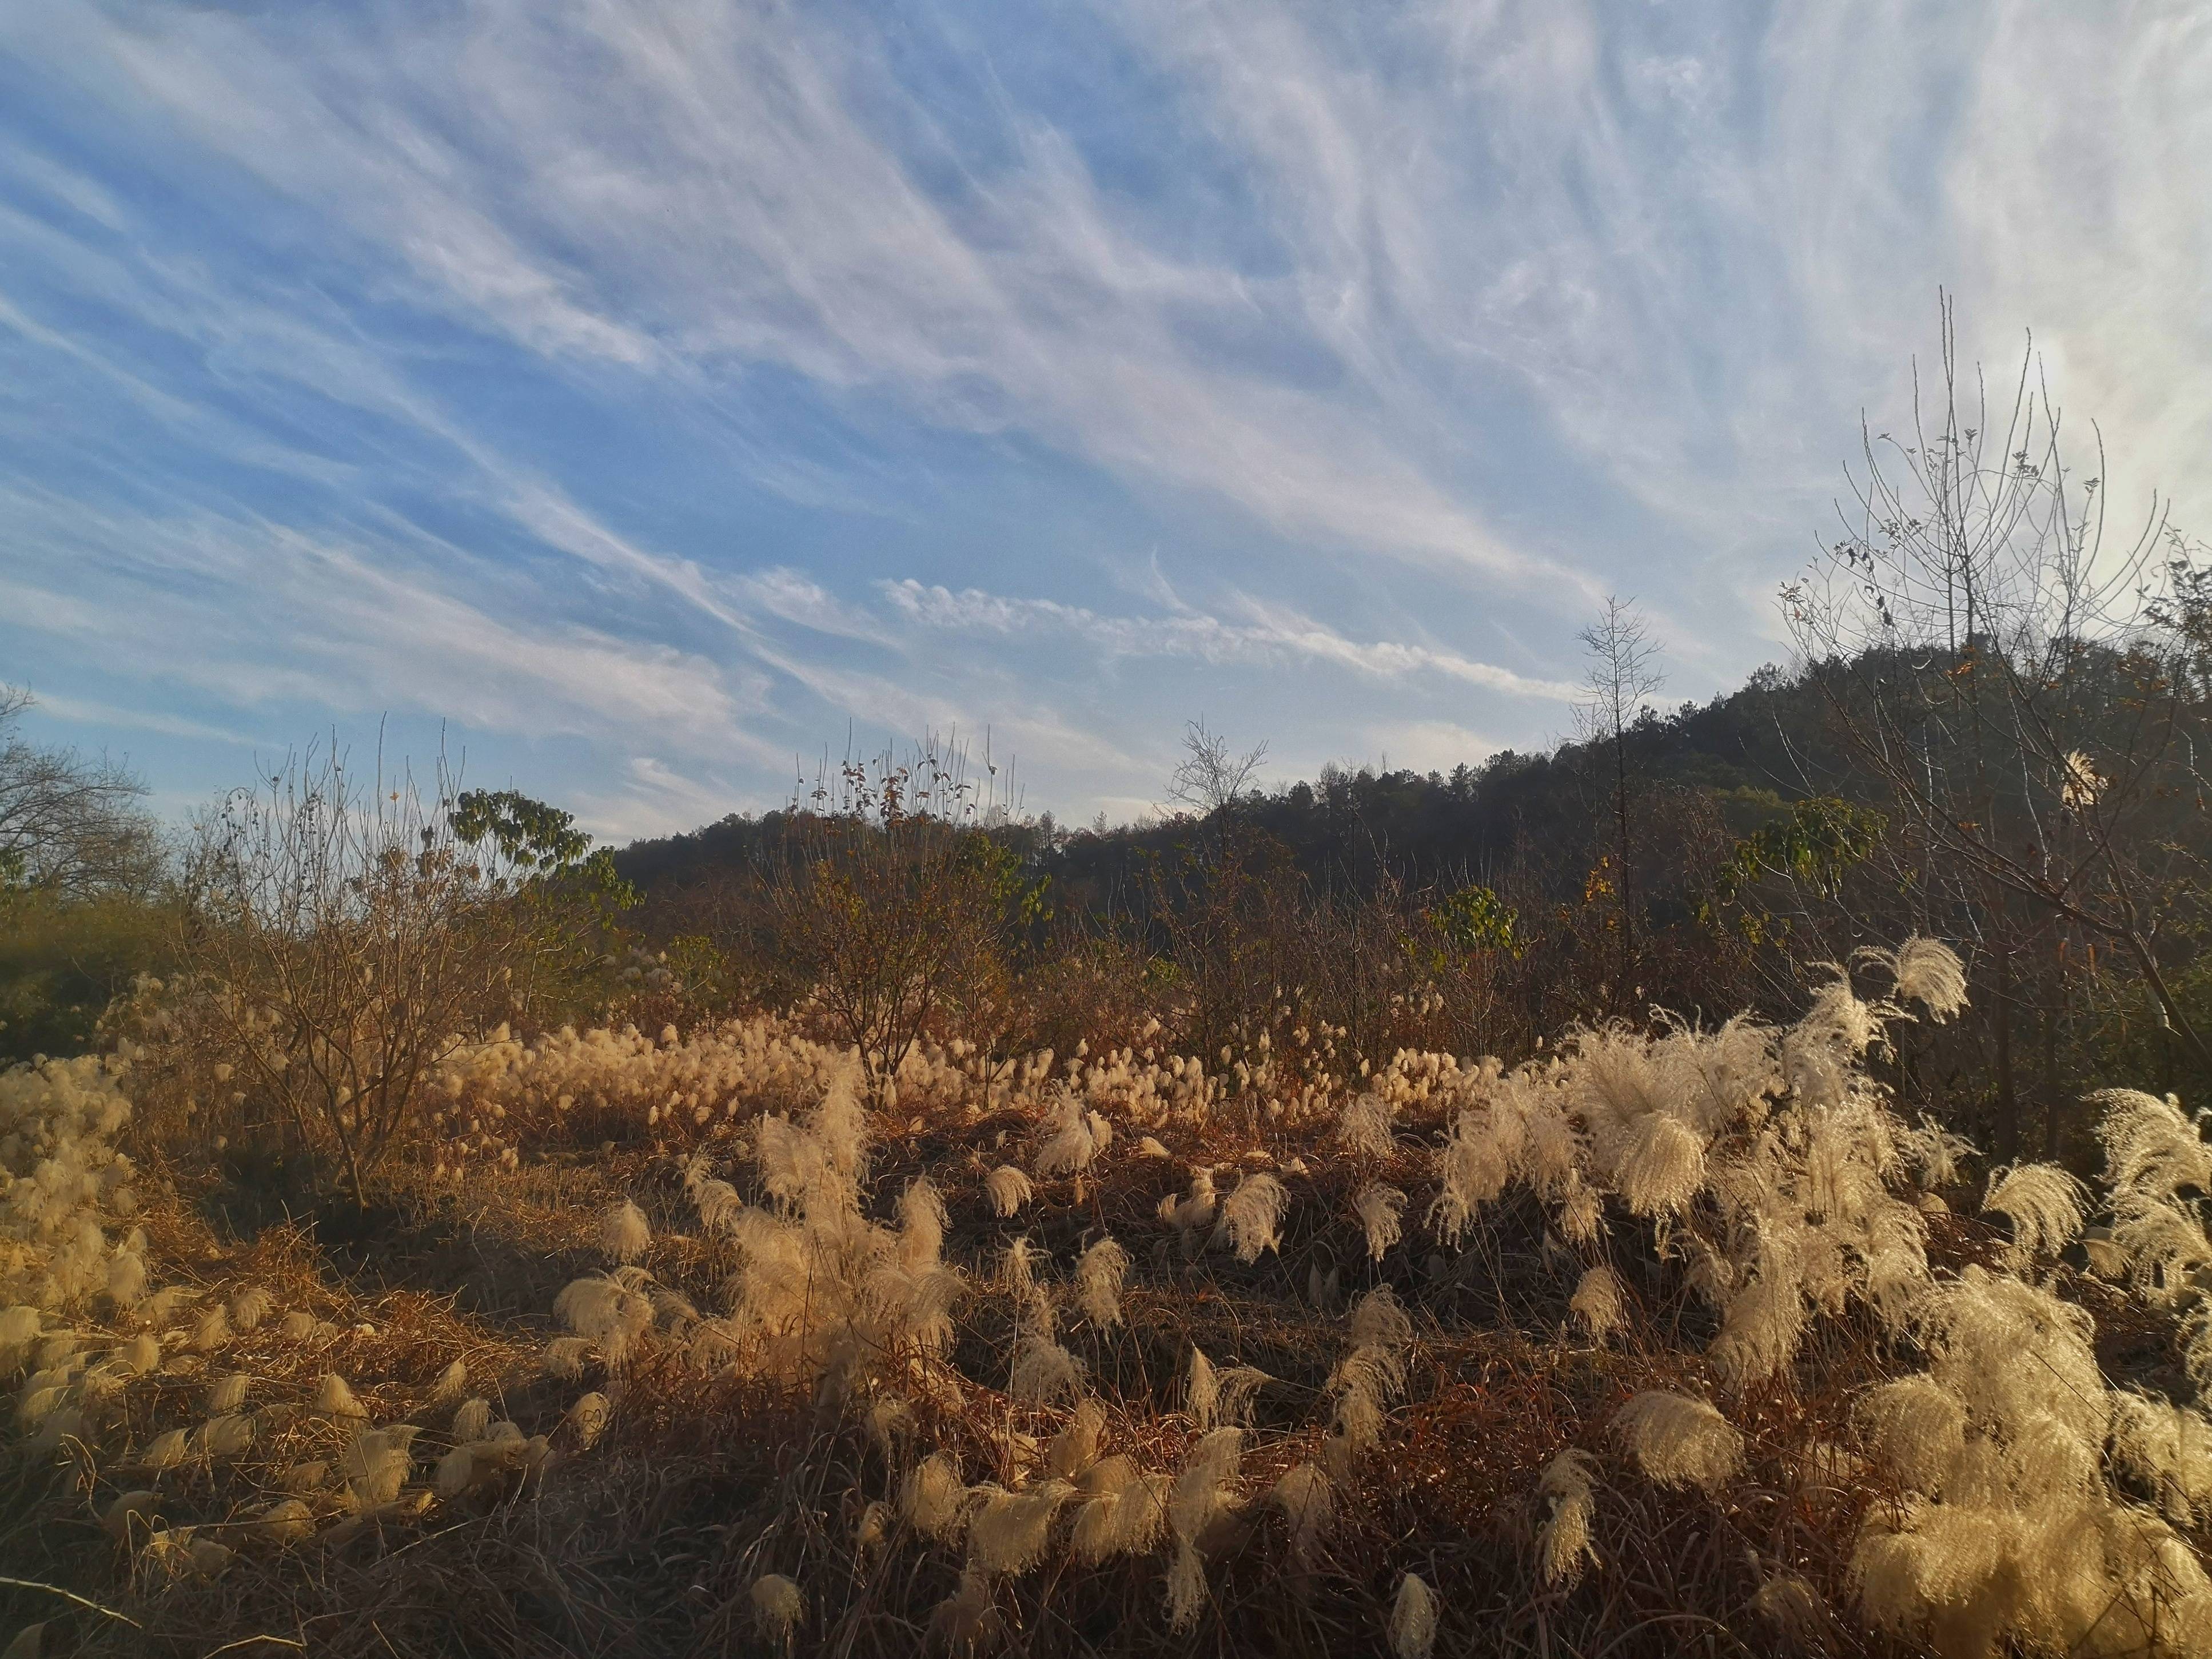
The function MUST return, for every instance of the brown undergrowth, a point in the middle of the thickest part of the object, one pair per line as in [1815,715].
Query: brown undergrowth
[1493,1432]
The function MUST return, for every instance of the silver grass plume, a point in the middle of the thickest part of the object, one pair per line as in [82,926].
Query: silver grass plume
[1413,1619]
[2044,1203]
[1678,1441]
[1098,1280]
[1253,1216]
[1564,1545]
[1381,1212]
[1308,1503]
[1600,1303]
[624,1234]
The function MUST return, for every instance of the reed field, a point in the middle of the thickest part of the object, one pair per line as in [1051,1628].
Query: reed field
[1671,1338]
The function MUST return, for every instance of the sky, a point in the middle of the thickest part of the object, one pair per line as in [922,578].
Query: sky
[640,400]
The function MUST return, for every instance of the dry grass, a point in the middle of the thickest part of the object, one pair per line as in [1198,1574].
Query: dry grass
[714,1473]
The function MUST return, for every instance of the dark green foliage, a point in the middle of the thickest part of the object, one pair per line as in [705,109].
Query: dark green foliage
[1475,919]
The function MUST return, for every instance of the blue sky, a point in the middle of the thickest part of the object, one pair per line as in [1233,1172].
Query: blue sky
[645,396]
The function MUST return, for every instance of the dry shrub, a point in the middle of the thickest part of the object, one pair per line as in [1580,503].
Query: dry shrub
[822,1388]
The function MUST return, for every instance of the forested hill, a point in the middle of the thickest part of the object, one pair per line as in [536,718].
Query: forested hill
[1746,754]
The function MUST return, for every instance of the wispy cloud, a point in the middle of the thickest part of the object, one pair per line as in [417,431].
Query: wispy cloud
[78,711]
[659,391]
[1275,635]
[257,614]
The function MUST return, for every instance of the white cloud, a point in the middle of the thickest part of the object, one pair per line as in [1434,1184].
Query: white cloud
[1428,746]
[89,712]
[254,613]
[1275,634]
[1434,321]
[657,800]
[727,198]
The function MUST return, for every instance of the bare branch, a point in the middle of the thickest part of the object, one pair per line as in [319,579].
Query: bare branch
[1210,776]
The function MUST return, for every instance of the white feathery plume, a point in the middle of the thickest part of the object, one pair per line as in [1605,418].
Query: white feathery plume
[1763,1320]
[1935,1151]
[1009,1531]
[131,1513]
[2079,784]
[1253,1215]
[588,1417]
[2151,1151]
[968,1620]
[1599,1304]
[471,1420]
[1235,1390]
[287,1521]
[1308,1502]
[225,1437]
[126,1278]
[1413,1619]
[1661,1166]
[1926,971]
[923,1222]
[1099,1275]
[624,1233]
[166,1451]
[1365,1128]
[452,1383]
[377,1463]
[1379,1321]
[1678,1441]
[1200,1392]
[1196,1209]
[1564,1545]
[1474,1166]
[142,1355]
[1007,1189]
[606,1312]
[1075,1139]
[934,1498]
[718,1204]
[1381,1212]
[1075,1447]
[2166,1449]
[2045,1205]
[249,1308]
[333,1398]
[1203,1491]
[1122,1512]
[1915,1428]
[1790,1603]
[1043,1371]
[1582,1214]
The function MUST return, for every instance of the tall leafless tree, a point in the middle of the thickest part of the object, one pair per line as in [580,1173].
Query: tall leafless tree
[1622,678]
[68,824]
[1994,662]
[1211,776]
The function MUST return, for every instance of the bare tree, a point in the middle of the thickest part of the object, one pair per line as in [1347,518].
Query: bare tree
[1993,663]
[344,942]
[891,902]
[1211,776]
[1622,678]
[68,825]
